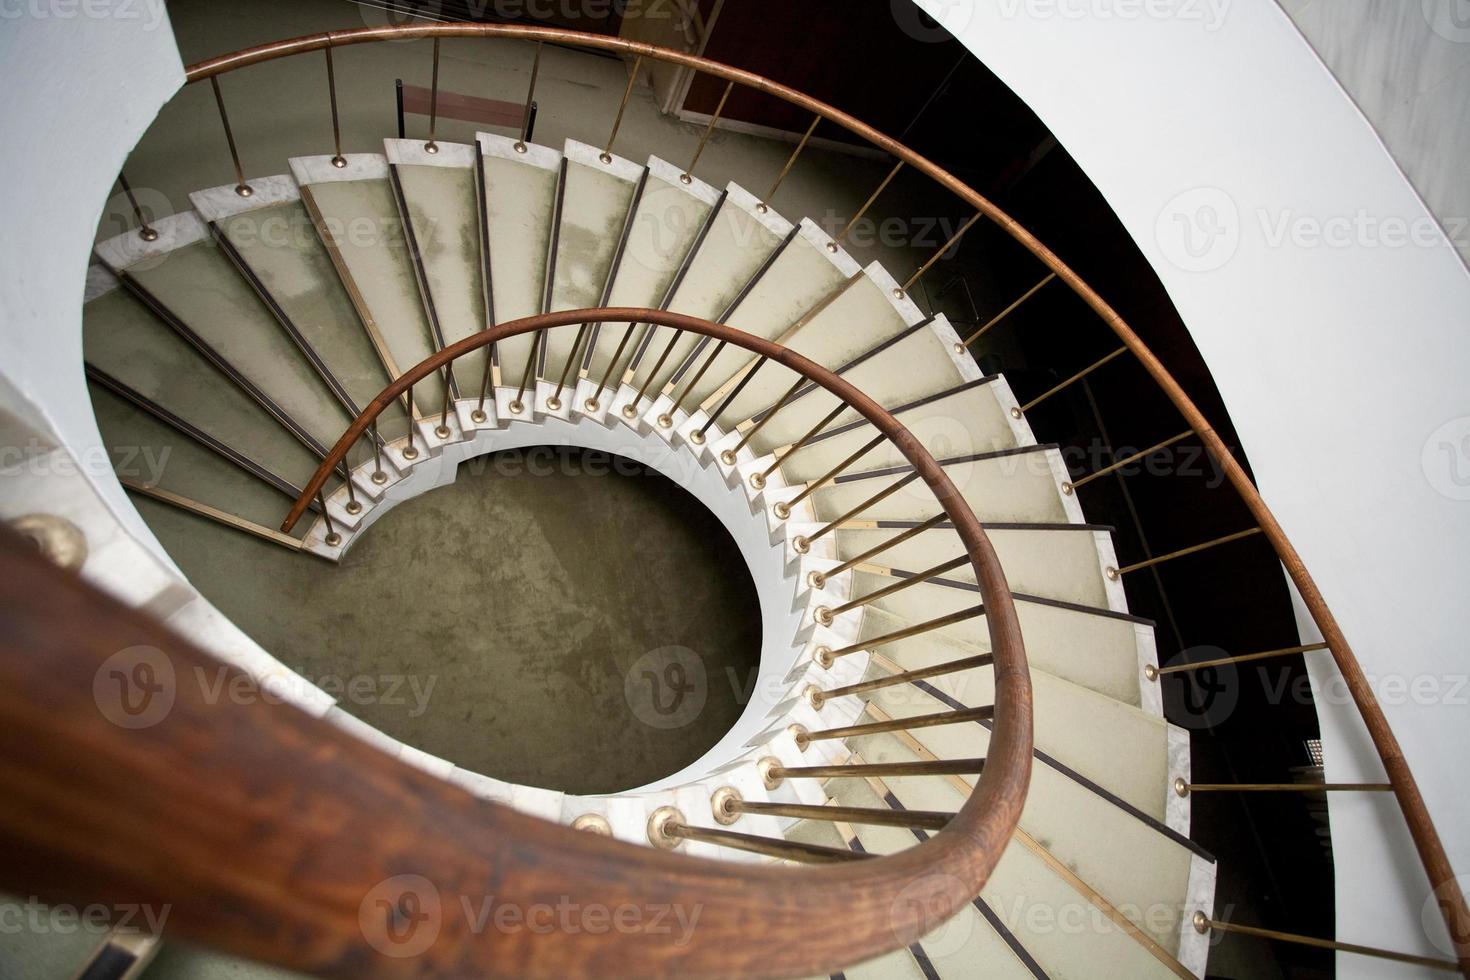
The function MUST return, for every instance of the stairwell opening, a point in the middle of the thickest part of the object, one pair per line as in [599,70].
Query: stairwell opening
[558,617]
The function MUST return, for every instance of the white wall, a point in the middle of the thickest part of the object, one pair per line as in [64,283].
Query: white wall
[1341,348]
[1406,63]
[82,81]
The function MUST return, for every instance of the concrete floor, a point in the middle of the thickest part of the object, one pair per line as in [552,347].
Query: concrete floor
[494,622]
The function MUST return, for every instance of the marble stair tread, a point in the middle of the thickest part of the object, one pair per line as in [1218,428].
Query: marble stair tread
[1116,645]
[962,422]
[121,337]
[664,227]
[805,284]
[918,362]
[520,205]
[279,245]
[1087,731]
[1033,897]
[1019,487]
[359,221]
[442,206]
[1138,864]
[737,242]
[197,284]
[597,202]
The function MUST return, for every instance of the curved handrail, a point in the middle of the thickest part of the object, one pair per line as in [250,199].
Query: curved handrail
[356,816]
[1426,838]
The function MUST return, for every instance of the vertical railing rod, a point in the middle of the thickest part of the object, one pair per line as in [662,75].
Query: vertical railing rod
[729,399]
[758,480]
[765,204]
[1017,412]
[338,160]
[442,430]
[431,146]
[802,542]
[591,404]
[333,538]
[729,456]
[145,231]
[410,452]
[1008,310]
[941,253]
[607,157]
[520,145]
[782,509]
[687,176]
[241,188]
[838,238]
[819,579]
[380,475]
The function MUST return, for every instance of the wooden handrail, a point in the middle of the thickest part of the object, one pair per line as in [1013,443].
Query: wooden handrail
[1426,838]
[270,834]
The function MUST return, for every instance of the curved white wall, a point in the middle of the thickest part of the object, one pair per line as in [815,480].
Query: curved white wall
[82,83]
[1336,321]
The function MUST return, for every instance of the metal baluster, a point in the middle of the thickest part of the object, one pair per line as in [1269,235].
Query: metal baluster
[902,291]
[819,579]
[442,430]
[591,404]
[960,348]
[818,697]
[987,713]
[410,452]
[764,205]
[836,241]
[520,145]
[802,543]
[825,616]
[1017,412]
[1067,488]
[622,107]
[758,480]
[333,538]
[782,509]
[824,656]
[241,188]
[729,456]
[431,146]
[687,176]
[338,160]
[145,231]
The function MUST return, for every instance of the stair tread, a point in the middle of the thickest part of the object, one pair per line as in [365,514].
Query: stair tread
[360,220]
[279,245]
[121,337]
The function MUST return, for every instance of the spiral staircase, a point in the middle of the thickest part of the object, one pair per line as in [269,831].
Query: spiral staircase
[315,348]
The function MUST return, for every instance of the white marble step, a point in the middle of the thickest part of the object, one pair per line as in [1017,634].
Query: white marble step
[856,319]
[974,418]
[597,203]
[273,240]
[1089,732]
[122,338]
[963,946]
[1058,561]
[356,217]
[1140,865]
[143,449]
[665,226]
[737,244]
[438,196]
[924,351]
[1102,650]
[1038,899]
[1018,486]
[520,205]
[187,273]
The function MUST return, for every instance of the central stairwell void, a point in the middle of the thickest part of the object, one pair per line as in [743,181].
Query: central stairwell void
[954,712]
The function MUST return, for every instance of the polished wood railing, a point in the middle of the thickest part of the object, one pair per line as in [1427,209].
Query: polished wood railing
[1405,789]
